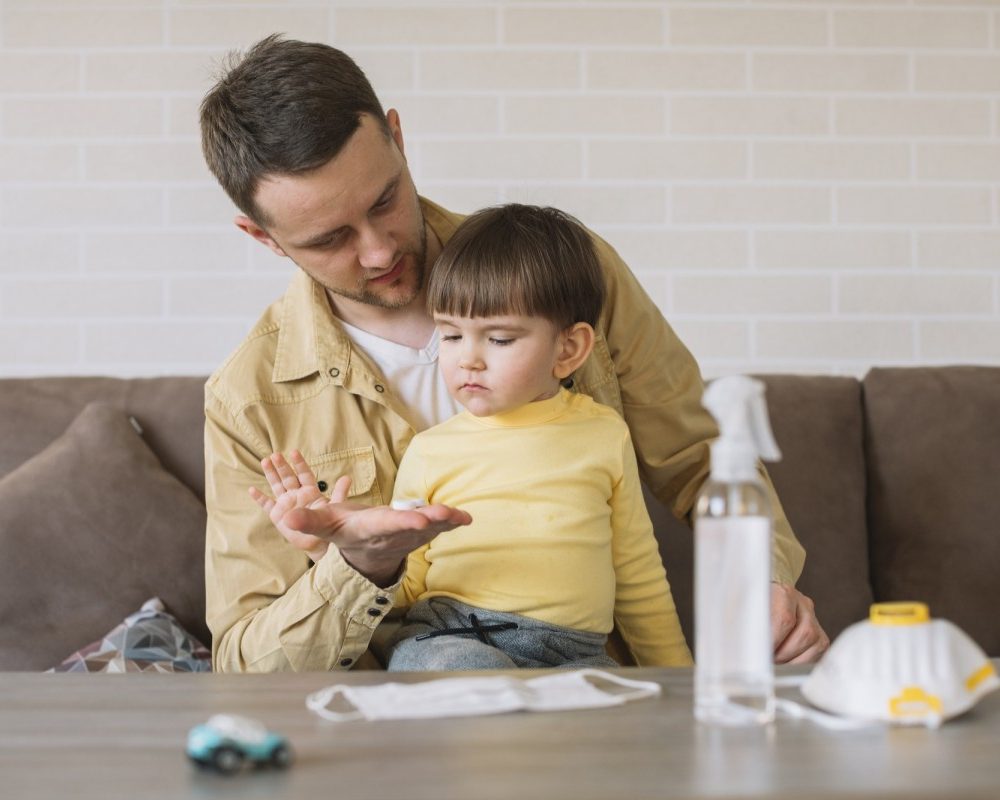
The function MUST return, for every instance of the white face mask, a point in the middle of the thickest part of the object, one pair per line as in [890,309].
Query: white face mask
[901,666]
[475,696]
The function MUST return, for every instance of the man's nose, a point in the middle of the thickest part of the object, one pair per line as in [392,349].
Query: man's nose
[376,248]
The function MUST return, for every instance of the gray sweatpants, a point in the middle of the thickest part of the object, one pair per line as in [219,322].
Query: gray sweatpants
[526,643]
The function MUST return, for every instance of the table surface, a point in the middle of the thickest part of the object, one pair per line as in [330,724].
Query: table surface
[110,736]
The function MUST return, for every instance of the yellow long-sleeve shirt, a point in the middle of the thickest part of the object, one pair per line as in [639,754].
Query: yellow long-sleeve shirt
[560,532]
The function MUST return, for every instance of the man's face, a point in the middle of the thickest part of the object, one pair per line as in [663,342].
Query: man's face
[354,224]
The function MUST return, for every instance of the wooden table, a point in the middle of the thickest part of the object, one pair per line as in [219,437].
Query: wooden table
[117,736]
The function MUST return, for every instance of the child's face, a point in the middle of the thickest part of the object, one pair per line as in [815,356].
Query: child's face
[495,364]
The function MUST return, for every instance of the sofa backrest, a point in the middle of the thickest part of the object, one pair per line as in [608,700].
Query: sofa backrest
[820,480]
[933,452]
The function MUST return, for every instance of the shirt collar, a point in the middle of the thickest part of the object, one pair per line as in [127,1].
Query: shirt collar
[302,349]
[536,412]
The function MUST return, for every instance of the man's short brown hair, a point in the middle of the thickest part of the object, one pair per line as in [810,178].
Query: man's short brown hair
[519,259]
[282,108]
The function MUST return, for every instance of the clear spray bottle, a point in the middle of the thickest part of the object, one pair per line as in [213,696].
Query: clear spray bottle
[734,672]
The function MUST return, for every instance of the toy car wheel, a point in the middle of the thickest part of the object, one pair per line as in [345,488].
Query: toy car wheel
[281,756]
[227,759]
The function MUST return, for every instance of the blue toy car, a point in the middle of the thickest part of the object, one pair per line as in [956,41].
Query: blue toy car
[226,741]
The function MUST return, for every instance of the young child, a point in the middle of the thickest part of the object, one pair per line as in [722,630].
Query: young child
[560,548]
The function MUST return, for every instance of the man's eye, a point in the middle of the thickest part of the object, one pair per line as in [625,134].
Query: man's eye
[501,342]
[327,244]
[385,202]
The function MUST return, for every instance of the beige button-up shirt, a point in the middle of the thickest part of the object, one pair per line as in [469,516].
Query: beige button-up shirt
[296,381]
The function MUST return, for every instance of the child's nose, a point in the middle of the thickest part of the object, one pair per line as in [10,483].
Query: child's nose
[471,359]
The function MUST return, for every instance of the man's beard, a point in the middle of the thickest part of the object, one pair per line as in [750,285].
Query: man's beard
[363,295]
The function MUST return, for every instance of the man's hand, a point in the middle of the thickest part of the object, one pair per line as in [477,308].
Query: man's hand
[294,485]
[798,636]
[373,540]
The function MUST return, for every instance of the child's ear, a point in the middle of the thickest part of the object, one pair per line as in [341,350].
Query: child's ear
[575,344]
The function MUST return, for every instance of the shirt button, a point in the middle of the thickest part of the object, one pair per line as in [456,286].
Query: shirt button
[379,388]
[381,600]
[346,662]
[334,372]
[374,612]
[322,485]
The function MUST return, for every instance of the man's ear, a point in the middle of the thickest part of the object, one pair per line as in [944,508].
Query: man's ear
[575,344]
[250,227]
[395,129]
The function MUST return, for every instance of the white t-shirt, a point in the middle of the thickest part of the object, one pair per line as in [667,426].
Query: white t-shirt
[412,374]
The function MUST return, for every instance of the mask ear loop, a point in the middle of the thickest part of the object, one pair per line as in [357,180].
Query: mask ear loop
[794,710]
[317,702]
[790,708]
[640,689]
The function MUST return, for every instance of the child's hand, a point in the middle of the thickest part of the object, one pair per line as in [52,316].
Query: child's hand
[294,485]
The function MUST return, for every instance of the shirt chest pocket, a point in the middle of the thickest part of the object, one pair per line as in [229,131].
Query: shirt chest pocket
[358,464]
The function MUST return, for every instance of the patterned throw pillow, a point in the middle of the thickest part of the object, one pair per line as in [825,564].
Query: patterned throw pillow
[150,640]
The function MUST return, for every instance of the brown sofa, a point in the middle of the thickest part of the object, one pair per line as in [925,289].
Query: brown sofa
[892,484]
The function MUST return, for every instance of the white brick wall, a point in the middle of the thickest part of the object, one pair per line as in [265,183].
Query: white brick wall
[801,186]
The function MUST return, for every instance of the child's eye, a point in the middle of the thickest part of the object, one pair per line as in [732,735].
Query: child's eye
[501,342]
[450,337]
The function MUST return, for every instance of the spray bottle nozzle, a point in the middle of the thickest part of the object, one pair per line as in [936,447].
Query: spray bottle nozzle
[738,405]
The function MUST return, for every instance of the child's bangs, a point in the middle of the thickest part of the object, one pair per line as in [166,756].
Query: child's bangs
[480,287]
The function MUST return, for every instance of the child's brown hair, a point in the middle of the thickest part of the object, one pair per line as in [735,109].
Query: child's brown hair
[519,259]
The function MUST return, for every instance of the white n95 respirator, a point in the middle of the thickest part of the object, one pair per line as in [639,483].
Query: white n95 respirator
[901,666]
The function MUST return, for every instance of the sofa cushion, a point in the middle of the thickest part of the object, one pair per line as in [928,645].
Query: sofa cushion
[35,411]
[820,481]
[90,528]
[933,441]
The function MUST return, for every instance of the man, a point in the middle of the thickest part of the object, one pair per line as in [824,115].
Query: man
[343,367]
